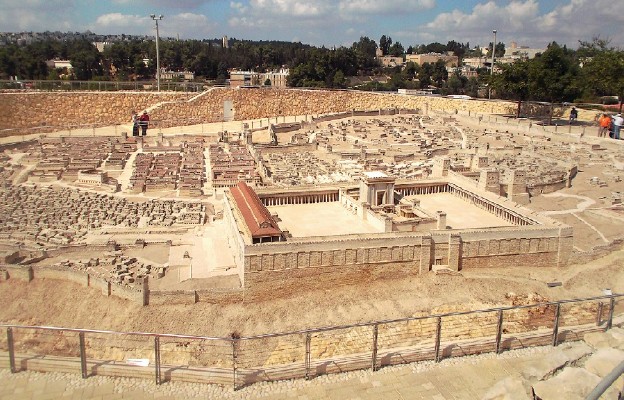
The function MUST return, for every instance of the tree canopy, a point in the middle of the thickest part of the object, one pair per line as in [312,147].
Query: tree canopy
[593,71]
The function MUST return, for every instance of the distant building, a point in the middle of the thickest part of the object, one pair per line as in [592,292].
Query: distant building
[252,78]
[476,62]
[225,42]
[101,46]
[432,58]
[59,64]
[521,52]
[391,61]
[177,75]
[277,78]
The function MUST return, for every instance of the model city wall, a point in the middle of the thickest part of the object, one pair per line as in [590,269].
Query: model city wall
[58,110]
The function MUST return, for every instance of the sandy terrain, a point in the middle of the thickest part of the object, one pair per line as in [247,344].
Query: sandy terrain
[46,301]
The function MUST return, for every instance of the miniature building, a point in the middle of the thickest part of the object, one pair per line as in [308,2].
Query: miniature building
[441,166]
[92,176]
[257,222]
[267,260]
[489,180]
[377,189]
[517,190]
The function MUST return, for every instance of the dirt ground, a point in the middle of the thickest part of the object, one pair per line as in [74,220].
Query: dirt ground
[59,303]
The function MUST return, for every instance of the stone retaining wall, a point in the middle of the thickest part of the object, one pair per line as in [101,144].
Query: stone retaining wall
[35,109]
[54,109]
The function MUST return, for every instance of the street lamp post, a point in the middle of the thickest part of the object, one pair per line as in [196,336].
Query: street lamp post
[492,66]
[157,18]
[493,49]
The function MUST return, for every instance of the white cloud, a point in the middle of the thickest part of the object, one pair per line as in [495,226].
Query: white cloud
[521,21]
[185,25]
[383,7]
[26,15]
[297,8]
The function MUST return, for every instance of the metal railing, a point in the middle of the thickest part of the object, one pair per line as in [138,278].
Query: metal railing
[606,383]
[104,86]
[241,361]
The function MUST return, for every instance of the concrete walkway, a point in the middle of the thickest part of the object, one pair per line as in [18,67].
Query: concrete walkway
[570,370]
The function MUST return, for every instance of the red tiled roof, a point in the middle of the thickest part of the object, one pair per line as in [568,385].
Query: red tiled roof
[257,217]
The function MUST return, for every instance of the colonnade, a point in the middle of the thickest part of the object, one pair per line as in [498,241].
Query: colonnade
[419,190]
[490,206]
[299,198]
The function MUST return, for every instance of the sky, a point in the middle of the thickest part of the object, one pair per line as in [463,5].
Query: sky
[531,23]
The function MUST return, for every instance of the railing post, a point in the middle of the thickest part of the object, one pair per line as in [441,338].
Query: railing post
[599,316]
[555,333]
[157,359]
[11,346]
[234,361]
[499,331]
[83,355]
[611,310]
[308,354]
[374,357]
[437,340]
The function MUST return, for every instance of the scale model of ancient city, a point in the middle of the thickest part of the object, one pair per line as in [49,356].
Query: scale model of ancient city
[250,197]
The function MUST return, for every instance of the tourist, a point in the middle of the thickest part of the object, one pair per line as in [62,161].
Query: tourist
[573,115]
[135,124]
[617,125]
[604,122]
[144,122]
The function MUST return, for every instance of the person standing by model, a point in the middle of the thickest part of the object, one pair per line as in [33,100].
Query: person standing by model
[135,124]
[144,122]
[573,115]
[617,125]
[603,122]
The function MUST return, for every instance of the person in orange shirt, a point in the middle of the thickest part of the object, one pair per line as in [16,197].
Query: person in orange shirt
[604,121]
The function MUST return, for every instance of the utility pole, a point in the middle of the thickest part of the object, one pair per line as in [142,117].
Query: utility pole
[492,66]
[157,18]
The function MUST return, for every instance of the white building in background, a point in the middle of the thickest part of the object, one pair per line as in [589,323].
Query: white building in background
[100,46]
[59,64]
[177,75]
[278,78]
[521,52]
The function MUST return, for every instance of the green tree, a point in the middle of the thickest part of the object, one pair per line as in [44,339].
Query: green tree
[553,76]
[411,70]
[396,49]
[439,74]
[384,44]
[513,82]
[603,74]
[365,51]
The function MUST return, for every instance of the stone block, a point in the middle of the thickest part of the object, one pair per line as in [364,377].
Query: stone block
[570,384]
[511,388]
[604,361]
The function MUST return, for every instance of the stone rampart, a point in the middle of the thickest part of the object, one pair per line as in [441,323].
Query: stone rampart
[137,295]
[352,259]
[63,109]
[54,109]
[19,272]
[262,103]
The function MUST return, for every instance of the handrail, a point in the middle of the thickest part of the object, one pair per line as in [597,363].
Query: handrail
[606,382]
[240,369]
